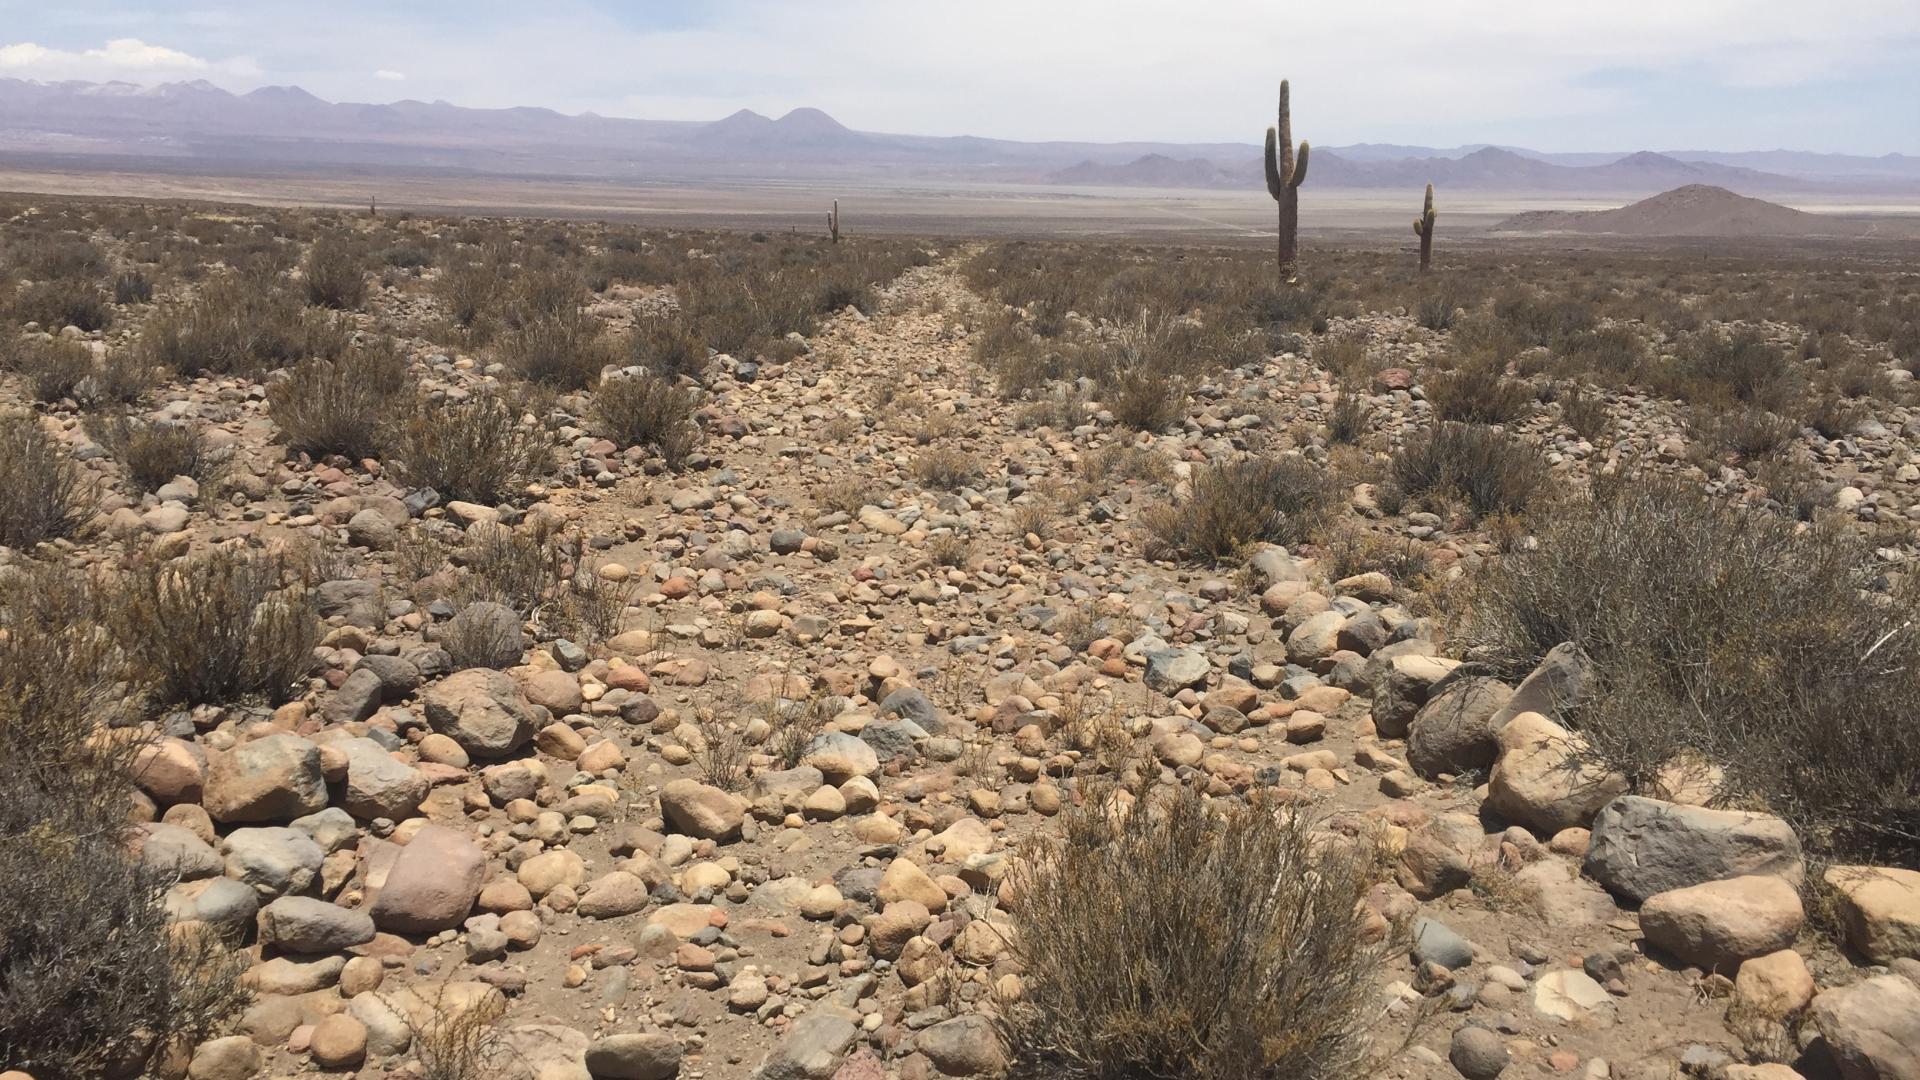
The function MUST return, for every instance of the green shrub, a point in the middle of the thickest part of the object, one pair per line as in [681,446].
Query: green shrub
[62,302]
[1281,500]
[1181,938]
[1730,637]
[667,347]
[1479,392]
[53,368]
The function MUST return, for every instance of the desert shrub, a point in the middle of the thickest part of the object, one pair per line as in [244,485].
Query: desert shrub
[1585,412]
[668,347]
[1478,392]
[53,368]
[1353,549]
[334,275]
[1738,366]
[336,406]
[61,302]
[1730,637]
[1187,939]
[1347,420]
[455,1038]
[93,976]
[1441,299]
[563,351]
[1281,500]
[132,287]
[1542,319]
[588,608]
[225,626]
[406,257]
[476,450]
[1143,399]
[1490,471]
[549,293]
[155,451]
[1614,352]
[1794,485]
[239,324]
[120,378]
[483,635]
[45,496]
[646,410]
[946,470]
[55,255]
[1834,415]
[1743,432]
[468,290]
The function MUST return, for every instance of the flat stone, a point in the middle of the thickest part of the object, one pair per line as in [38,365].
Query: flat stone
[1640,847]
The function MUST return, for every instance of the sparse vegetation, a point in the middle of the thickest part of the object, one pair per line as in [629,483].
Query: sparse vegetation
[45,496]
[1281,500]
[647,410]
[1179,937]
[476,450]
[1488,470]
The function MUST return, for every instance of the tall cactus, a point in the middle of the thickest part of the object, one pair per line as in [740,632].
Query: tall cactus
[833,221]
[1423,228]
[1285,174]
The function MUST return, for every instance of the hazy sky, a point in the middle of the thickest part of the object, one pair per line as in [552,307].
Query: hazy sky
[1839,75]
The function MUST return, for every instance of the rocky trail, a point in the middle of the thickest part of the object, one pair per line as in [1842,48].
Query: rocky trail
[950,610]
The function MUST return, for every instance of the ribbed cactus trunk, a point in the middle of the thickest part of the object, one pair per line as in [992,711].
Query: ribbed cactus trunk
[833,221]
[1285,174]
[1423,228]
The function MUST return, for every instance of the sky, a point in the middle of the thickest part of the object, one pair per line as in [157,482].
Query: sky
[1554,75]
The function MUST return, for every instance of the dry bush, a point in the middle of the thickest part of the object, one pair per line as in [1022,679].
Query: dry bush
[63,302]
[93,978]
[1833,415]
[1347,421]
[53,368]
[1491,471]
[1771,650]
[793,725]
[1144,399]
[590,609]
[1354,549]
[225,626]
[338,406]
[240,324]
[334,274]
[468,291]
[946,470]
[155,451]
[476,450]
[1185,939]
[1441,298]
[461,1040]
[1725,367]
[949,549]
[1747,433]
[45,495]
[1541,318]
[1794,485]
[567,351]
[120,378]
[722,752]
[844,496]
[668,347]
[1614,353]
[132,287]
[1280,500]
[518,568]
[1478,392]
[483,634]
[1585,412]
[648,410]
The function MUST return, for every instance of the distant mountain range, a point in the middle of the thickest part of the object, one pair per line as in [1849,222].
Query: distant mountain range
[199,125]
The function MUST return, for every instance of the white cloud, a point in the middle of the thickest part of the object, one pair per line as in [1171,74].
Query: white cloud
[119,58]
[390,75]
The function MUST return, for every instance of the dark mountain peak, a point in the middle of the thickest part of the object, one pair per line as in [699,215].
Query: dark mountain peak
[1493,155]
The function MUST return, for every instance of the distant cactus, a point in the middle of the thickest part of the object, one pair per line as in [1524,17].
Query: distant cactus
[373,206]
[1423,228]
[833,221]
[1285,174]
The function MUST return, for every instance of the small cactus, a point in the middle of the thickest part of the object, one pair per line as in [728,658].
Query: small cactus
[833,221]
[1423,228]
[1285,174]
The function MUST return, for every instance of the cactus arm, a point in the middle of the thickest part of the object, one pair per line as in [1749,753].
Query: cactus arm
[1274,184]
[1300,167]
